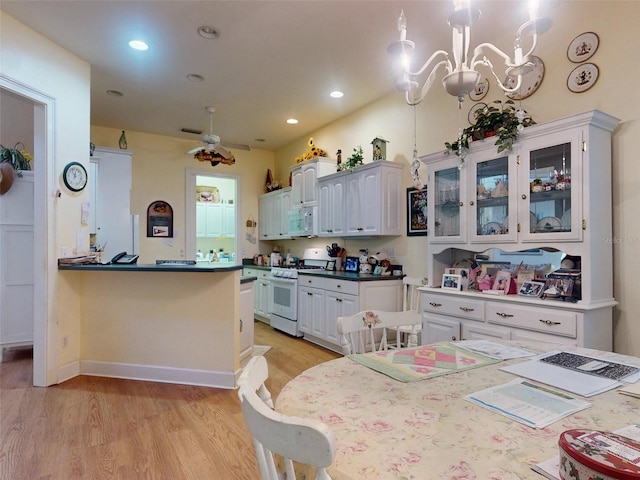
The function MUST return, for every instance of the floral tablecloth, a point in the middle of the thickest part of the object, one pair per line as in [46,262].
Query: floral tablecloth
[386,429]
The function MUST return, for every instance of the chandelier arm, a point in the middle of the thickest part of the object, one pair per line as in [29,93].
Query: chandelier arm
[478,51]
[427,84]
[431,59]
[517,86]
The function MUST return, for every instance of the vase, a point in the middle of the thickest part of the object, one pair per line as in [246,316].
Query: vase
[7,175]
[123,141]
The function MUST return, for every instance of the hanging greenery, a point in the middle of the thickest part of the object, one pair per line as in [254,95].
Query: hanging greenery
[503,121]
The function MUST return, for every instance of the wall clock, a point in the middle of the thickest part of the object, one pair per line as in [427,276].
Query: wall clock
[74,176]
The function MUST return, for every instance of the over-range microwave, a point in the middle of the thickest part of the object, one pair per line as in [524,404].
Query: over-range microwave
[303,222]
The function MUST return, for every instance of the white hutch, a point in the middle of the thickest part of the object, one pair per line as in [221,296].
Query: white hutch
[551,192]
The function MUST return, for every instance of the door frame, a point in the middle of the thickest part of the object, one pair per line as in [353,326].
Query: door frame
[190,207]
[45,371]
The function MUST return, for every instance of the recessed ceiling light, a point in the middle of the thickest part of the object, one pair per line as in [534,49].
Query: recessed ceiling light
[292,121]
[115,93]
[336,94]
[208,32]
[138,45]
[194,77]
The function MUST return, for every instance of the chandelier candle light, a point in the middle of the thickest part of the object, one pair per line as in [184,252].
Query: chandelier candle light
[463,77]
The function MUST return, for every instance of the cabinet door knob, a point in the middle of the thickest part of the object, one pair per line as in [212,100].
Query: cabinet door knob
[549,322]
[434,304]
[504,315]
[466,309]
[524,197]
[338,300]
[461,204]
[471,203]
[310,294]
[454,338]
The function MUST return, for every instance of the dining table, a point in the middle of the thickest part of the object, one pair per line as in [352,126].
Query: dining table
[390,429]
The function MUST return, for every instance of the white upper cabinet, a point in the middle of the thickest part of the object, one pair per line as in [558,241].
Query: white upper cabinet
[304,180]
[274,214]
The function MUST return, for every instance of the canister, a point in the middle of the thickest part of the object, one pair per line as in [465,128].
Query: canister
[591,454]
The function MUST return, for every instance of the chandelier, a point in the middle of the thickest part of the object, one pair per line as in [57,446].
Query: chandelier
[461,75]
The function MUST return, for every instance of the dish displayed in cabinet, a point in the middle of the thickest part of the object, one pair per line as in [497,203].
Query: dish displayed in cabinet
[491,228]
[533,223]
[549,224]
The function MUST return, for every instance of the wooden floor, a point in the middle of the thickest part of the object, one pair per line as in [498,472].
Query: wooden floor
[103,428]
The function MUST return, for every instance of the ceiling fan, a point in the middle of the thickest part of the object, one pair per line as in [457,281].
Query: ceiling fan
[213,150]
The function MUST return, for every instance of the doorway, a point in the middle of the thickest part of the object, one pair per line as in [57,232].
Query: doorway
[213,209]
[44,327]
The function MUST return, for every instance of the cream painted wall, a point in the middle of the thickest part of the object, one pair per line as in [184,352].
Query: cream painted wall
[437,122]
[158,169]
[24,56]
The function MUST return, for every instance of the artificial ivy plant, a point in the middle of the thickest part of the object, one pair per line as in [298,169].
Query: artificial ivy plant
[504,121]
[19,159]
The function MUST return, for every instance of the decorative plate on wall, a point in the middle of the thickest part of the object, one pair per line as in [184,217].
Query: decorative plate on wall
[583,77]
[480,91]
[530,81]
[473,110]
[583,47]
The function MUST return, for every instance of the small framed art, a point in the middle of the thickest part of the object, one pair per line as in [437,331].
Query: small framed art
[351,264]
[531,288]
[451,282]
[331,265]
[416,212]
[502,281]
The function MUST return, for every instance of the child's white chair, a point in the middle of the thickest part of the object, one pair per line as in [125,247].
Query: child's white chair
[410,301]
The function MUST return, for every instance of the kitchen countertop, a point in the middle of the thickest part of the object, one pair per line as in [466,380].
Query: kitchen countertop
[351,276]
[209,268]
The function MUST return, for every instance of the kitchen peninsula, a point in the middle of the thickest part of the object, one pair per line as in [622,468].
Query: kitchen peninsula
[170,323]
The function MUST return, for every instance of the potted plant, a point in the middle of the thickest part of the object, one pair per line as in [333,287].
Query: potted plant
[12,162]
[503,121]
[354,160]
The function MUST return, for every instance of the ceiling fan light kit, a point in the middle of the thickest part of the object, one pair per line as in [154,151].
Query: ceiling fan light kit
[462,76]
[213,150]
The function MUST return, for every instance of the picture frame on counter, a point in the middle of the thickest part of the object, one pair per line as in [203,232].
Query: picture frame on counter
[451,282]
[531,288]
[331,265]
[417,220]
[352,264]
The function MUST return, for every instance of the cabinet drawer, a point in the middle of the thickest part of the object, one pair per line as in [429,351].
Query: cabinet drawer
[342,286]
[531,318]
[311,281]
[453,305]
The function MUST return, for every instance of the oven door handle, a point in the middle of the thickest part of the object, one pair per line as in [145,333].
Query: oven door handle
[284,281]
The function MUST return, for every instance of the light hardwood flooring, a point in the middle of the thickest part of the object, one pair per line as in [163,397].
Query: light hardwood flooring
[104,428]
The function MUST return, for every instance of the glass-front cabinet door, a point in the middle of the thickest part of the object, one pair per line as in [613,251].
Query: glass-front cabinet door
[550,192]
[492,201]
[448,211]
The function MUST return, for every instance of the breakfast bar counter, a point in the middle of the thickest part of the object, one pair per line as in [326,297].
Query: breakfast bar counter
[166,323]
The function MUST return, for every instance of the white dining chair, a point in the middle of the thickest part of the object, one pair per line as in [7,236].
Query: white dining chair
[254,374]
[369,330]
[410,302]
[305,441]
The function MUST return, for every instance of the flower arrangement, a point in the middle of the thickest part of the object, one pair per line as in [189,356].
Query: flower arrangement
[313,152]
[354,160]
[502,121]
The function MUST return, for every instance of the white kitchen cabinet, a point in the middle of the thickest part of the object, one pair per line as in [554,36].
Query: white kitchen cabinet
[16,263]
[262,293]
[368,200]
[246,319]
[551,192]
[274,214]
[311,306]
[331,206]
[304,180]
[215,220]
[321,300]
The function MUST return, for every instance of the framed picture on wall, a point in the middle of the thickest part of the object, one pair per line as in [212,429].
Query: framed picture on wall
[416,212]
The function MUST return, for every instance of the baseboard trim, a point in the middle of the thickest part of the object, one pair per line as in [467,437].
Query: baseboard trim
[184,376]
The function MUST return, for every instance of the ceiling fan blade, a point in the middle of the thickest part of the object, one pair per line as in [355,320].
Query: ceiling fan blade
[222,151]
[238,146]
[195,150]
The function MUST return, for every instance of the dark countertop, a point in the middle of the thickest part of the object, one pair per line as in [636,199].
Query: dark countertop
[351,276]
[204,267]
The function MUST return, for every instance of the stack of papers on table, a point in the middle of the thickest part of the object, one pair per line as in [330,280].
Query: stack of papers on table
[533,405]
[567,378]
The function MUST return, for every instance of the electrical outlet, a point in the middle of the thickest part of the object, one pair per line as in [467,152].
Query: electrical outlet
[64,252]
[65,341]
